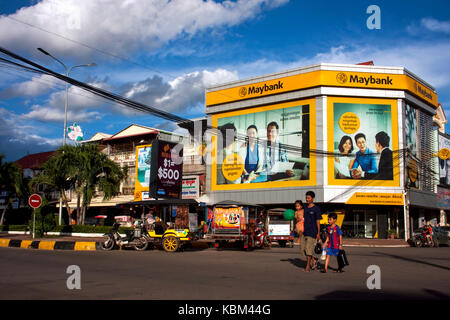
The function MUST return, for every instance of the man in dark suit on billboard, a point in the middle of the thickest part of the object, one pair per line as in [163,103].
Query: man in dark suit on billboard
[385,165]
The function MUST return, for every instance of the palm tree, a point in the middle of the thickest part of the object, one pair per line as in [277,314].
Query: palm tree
[85,169]
[11,180]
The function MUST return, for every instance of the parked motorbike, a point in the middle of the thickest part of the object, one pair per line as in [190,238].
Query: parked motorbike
[261,237]
[136,238]
[420,240]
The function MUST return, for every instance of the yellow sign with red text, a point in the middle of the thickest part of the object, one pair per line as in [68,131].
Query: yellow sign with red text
[385,199]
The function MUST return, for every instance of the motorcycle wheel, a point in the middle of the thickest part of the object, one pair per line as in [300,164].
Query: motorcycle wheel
[418,243]
[266,243]
[171,244]
[107,243]
[140,244]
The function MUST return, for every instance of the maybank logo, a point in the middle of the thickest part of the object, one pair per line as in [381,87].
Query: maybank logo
[243,91]
[422,91]
[370,80]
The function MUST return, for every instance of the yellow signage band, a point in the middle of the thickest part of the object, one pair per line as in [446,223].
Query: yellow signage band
[323,78]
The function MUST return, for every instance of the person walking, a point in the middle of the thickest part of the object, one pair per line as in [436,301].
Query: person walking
[299,216]
[312,217]
[333,242]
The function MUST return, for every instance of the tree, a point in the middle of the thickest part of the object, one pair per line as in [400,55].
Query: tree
[11,180]
[85,169]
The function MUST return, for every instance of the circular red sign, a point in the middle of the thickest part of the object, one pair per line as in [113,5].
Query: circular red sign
[35,201]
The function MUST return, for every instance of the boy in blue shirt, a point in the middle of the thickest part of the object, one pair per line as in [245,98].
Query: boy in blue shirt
[333,244]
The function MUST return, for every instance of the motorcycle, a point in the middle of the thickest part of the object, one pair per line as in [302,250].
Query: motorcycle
[261,237]
[136,238]
[420,240]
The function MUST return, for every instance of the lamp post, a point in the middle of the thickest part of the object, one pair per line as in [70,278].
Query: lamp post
[65,107]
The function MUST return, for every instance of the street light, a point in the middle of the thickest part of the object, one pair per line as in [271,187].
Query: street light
[66,104]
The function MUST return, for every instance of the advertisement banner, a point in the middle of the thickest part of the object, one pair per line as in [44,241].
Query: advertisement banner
[411,141]
[385,199]
[444,164]
[279,229]
[264,147]
[142,173]
[443,195]
[190,187]
[363,137]
[323,78]
[166,170]
[228,218]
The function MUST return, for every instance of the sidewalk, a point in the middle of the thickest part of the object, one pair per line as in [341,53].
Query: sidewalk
[92,243]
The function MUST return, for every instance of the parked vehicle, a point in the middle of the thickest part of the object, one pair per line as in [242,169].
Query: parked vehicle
[418,238]
[136,238]
[169,238]
[446,229]
[231,222]
[280,230]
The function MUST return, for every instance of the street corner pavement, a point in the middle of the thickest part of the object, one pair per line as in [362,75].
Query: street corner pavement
[66,243]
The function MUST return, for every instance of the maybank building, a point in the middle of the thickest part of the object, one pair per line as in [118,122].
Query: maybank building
[361,137]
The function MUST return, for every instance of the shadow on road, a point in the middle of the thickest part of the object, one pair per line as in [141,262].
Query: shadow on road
[428,294]
[413,260]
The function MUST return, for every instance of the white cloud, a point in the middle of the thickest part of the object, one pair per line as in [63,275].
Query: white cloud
[121,27]
[428,60]
[435,25]
[184,94]
[37,86]
[20,136]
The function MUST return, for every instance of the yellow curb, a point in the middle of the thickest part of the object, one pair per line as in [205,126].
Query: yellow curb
[79,245]
[47,245]
[25,243]
[4,242]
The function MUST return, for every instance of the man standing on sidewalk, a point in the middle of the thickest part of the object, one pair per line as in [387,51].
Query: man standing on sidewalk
[312,216]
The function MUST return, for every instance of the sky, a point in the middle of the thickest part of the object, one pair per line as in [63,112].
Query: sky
[165,53]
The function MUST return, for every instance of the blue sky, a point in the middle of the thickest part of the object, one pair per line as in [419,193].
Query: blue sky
[164,54]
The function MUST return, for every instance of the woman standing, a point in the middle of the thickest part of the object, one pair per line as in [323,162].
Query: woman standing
[299,216]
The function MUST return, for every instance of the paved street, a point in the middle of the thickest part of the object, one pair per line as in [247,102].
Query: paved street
[230,274]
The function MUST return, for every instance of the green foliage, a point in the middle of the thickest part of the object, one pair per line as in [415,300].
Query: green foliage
[88,229]
[83,168]
[11,180]
[14,228]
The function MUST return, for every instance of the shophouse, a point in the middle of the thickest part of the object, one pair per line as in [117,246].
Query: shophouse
[361,137]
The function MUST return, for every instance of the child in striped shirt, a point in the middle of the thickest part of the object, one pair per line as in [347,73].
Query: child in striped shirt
[333,242]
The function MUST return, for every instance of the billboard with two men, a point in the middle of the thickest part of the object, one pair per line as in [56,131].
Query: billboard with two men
[362,142]
[265,147]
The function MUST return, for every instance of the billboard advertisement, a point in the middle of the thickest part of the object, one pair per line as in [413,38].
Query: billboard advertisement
[444,164]
[411,138]
[264,147]
[166,169]
[142,173]
[190,187]
[229,218]
[363,142]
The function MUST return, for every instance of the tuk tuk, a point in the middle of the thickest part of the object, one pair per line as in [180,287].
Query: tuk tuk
[280,230]
[232,222]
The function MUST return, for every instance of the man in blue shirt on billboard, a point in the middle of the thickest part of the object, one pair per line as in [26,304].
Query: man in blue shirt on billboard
[365,158]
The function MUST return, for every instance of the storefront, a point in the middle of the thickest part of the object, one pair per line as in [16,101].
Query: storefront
[361,137]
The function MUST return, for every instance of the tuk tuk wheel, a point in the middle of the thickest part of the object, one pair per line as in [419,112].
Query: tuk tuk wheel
[282,243]
[171,244]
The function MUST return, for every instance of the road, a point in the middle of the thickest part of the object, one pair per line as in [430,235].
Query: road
[276,274]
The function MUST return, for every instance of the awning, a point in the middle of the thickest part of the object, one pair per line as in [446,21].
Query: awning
[230,203]
[174,202]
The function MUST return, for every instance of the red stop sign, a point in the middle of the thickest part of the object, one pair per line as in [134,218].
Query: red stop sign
[35,201]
